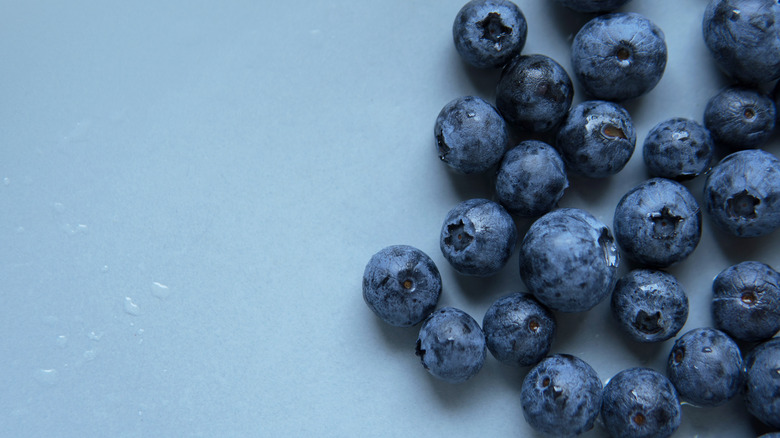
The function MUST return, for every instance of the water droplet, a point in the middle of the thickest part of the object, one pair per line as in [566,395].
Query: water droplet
[131,308]
[58,207]
[90,355]
[104,269]
[95,335]
[160,290]
[47,376]
[62,341]
[6,181]
[73,230]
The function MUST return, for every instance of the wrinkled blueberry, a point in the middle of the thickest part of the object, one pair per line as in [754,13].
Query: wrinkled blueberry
[488,33]
[593,5]
[746,301]
[471,135]
[740,118]
[519,330]
[640,402]
[705,366]
[534,93]
[596,139]
[451,345]
[658,223]
[619,56]
[561,396]
[744,38]
[569,260]
[531,179]
[402,285]
[742,193]
[762,382]
[678,149]
[478,237]
[649,305]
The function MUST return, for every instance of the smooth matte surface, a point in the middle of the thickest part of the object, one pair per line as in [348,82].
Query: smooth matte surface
[191,191]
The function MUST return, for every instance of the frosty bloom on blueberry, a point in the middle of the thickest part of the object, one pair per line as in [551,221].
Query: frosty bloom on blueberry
[678,149]
[740,117]
[451,345]
[762,383]
[519,330]
[746,301]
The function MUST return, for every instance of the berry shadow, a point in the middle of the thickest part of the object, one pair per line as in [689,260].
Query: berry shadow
[472,186]
[398,338]
[483,80]
[568,21]
[736,249]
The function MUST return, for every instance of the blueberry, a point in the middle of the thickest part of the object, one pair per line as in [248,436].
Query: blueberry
[593,5]
[534,93]
[519,330]
[569,260]
[746,301]
[531,179]
[742,193]
[740,118]
[649,305]
[478,237]
[744,38]
[597,139]
[488,33]
[561,396]
[451,346]
[470,134]
[705,366]
[658,223]
[640,402]
[762,382]
[678,149]
[619,56]
[402,285]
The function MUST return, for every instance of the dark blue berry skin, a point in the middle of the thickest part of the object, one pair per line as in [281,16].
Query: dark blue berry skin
[531,179]
[740,118]
[746,301]
[640,403]
[705,366]
[471,135]
[478,237]
[534,93]
[619,56]
[519,330]
[488,33]
[658,223]
[569,260]
[678,149]
[597,139]
[451,345]
[744,38]
[593,5]
[402,285]
[762,382]
[742,193]
[649,305]
[561,396]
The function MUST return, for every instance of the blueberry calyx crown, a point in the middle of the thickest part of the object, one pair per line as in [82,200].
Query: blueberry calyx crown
[494,29]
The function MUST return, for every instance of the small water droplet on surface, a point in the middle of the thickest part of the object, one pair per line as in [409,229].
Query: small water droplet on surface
[95,335]
[47,376]
[131,308]
[58,207]
[62,341]
[160,290]
[90,355]
[6,181]
[104,269]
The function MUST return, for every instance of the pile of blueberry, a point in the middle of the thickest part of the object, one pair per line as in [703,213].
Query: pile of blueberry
[569,259]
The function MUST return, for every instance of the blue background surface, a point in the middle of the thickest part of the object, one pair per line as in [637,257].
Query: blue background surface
[190,191]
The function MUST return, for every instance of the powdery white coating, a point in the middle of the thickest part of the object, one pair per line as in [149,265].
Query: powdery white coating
[619,56]
[739,117]
[488,33]
[569,260]
[746,301]
[742,193]
[519,330]
[762,382]
[744,38]
[451,345]
[678,149]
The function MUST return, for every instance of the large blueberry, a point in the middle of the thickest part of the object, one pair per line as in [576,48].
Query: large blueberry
[561,396]
[593,5]
[451,345]
[518,329]
[762,382]
[746,301]
[658,223]
[649,305]
[739,117]
[488,33]
[478,237]
[531,179]
[705,366]
[744,38]
[534,93]
[678,149]
[471,135]
[619,56]
[640,402]
[401,284]
[742,193]
[597,139]
[569,260]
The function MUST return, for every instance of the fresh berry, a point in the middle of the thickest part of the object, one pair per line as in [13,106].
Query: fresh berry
[488,33]
[746,301]
[451,345]
[678,149]
[739,117]
[519,330]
